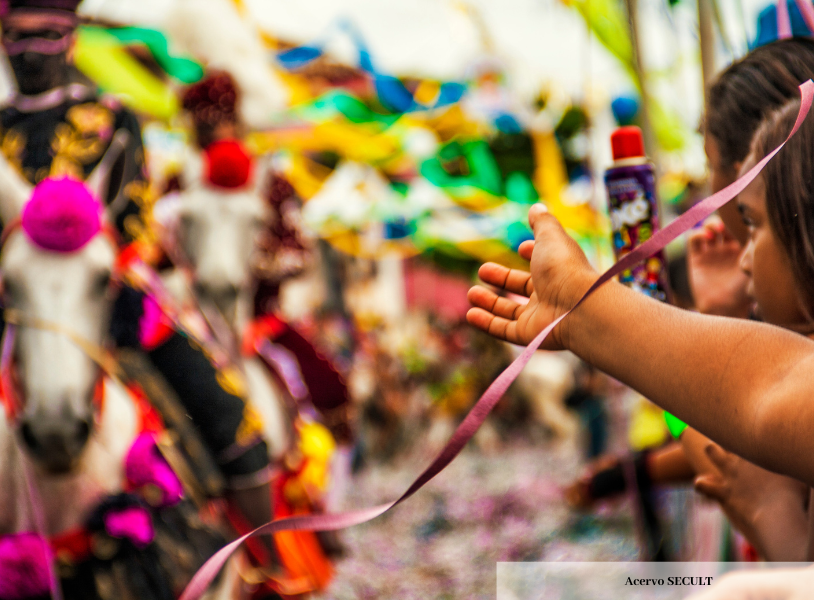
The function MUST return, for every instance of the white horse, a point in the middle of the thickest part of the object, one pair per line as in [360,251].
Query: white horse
[215,231]
[61,455]
[73,456]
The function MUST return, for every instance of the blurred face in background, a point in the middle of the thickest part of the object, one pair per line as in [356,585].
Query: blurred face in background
[38,44]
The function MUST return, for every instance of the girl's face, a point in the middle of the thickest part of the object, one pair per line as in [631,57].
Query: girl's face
[765,262]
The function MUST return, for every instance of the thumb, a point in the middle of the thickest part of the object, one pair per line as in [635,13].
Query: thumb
[535,212]
[719,457]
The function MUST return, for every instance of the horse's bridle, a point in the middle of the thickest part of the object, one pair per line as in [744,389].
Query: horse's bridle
[15,318]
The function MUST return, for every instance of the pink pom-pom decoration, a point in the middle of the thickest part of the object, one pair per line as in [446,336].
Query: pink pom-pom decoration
[144,466]
[134,524]
[24,566]
[62,215]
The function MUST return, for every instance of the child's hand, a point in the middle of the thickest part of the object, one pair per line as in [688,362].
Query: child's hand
[755,500]
[779,584]
[560,275]
[717,281]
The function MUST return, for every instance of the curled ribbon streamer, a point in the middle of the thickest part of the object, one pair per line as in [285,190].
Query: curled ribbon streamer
[479,412]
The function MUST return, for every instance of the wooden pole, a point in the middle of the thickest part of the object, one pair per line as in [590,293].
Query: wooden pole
[632,7]
[706,36]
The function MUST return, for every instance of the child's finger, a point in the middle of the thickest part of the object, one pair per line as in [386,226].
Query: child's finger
[717,236]
[697,241]
[511,280]
[491,302]
[495,326]
[525,249]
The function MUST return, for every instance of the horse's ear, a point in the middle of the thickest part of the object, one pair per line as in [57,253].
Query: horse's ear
[99,181]
[14,191]
[192,174]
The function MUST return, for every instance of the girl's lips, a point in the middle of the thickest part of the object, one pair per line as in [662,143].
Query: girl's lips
[750,293]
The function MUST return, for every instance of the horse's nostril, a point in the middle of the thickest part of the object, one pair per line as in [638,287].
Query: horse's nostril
[220,294]
[29,439]
[83,432]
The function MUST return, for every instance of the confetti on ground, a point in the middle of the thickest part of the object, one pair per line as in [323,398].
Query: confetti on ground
[444,542]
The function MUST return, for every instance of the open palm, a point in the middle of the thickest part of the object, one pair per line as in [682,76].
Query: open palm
[559,275]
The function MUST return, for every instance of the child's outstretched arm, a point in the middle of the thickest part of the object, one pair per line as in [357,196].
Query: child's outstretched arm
[746,385]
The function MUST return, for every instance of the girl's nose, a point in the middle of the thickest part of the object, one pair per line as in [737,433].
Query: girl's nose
[745,260]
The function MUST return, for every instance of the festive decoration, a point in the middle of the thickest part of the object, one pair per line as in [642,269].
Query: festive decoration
[134,524]
[100,56]
[146,470]
[390,90]
[228,164]
[62,215]
[184,69]
[24,566]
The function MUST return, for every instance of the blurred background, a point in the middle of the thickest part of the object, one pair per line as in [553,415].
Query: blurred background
[408,140]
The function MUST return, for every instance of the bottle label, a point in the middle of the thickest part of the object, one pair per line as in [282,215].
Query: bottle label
[634,219]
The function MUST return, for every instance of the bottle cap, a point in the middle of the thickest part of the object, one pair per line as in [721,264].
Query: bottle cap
[627,142]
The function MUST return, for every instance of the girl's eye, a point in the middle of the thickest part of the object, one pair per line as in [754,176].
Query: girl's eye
[747,220]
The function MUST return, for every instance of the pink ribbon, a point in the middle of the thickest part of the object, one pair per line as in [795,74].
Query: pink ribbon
[807,11]
[783,20]
[478,414]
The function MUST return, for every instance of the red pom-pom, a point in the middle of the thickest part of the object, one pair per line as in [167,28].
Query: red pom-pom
[228,164]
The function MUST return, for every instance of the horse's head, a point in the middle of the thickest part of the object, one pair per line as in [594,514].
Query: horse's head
[57,268]
[218,227]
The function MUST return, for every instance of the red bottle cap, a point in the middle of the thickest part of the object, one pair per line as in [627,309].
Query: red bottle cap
[627,142]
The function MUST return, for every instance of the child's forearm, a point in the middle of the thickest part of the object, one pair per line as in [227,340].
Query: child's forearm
[746,385]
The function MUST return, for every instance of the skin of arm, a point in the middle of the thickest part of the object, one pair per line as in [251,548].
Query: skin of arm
[746,385]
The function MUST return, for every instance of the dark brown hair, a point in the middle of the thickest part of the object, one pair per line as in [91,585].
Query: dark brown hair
[743,94]
[789,180]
